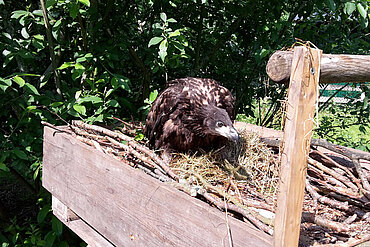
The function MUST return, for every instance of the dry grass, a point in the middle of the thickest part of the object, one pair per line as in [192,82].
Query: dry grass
[250,164]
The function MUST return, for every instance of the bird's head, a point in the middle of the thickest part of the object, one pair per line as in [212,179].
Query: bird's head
[216,121]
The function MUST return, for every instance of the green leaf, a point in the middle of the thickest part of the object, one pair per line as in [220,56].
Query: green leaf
[163,17]
[139,137]
[37,12]
[91,98]
[24,33]
[332,5]
[49,239]
[36,173]
[57,226]
[20,154]
[153,95]
[31,107]
[362,10]
[80,109]
[264,53]
[154,41]
[39,37]
[163,49]
[174,33]
[349,7]
[8,82]
[113,103]
[50,3]
[56,104]
[38,44]
[120,81]
[57,23]
[32,88]
[19,80]
[66,65]
[77,94]
[171,20]
[85,2]
[79,66]
[18,13]
[81,59]
[4,168]
[73,10]
[77,73]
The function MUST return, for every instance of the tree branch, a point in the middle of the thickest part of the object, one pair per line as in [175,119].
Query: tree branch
[51,47]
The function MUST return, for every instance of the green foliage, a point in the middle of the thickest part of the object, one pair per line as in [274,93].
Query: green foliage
[98,59]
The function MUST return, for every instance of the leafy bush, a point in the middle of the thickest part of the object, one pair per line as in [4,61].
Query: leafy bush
[92,60]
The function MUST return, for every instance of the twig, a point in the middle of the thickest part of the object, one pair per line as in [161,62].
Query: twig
[340,190]
[331,202]
[348,152]
[332,162]
[334,174]
[365,182]
[233,207]
[351,242]
[51,47]
[131,142]
[338,227]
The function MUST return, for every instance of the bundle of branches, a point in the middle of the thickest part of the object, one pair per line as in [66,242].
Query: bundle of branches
[242,180]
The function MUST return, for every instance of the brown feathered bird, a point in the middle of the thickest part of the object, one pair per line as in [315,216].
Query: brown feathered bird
[191,113]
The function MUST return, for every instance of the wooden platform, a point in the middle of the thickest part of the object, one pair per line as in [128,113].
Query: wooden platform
[110,204]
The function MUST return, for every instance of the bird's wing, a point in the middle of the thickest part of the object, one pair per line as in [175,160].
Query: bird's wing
[160,112]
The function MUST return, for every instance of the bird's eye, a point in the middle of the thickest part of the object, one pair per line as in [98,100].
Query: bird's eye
[219,124]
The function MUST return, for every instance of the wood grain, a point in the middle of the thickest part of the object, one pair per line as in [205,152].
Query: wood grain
[297,137]
[334,68]
[90,236]
[128,207]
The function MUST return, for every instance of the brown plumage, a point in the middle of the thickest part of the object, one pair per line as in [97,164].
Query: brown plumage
[191,113]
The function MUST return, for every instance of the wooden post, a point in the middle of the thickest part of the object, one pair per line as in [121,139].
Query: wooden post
[297,135]
[334,68]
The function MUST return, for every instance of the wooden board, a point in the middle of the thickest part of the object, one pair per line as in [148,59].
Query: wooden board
[76,224]
[130,208]
[296,147]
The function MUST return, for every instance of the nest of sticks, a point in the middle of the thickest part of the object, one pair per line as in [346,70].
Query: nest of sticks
[242,179]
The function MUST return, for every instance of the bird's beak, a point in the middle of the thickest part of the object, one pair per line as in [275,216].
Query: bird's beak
[229,132]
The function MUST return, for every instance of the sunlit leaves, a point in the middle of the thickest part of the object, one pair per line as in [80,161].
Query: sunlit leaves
[163,17]
[163,49]
[19,80]
[361,10]
[349,7]
[155,41]
[81,109]
[85,2]
[18,13]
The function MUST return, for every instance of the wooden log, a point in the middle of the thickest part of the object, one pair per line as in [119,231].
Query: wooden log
[297,137]
[128,207]
[334,68]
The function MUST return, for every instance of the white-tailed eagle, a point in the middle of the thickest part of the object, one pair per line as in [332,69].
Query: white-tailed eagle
[191,113]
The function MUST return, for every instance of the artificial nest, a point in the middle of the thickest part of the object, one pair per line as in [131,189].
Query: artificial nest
[242,179]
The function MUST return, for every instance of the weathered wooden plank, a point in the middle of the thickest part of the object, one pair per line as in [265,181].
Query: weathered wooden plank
[70,219]
[297,137]
[130,208]
[334,68]
[63,212]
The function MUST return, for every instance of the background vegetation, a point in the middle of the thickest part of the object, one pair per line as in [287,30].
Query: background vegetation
[93,59]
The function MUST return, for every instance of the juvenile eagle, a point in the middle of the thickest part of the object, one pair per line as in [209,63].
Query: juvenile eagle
[191,113]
